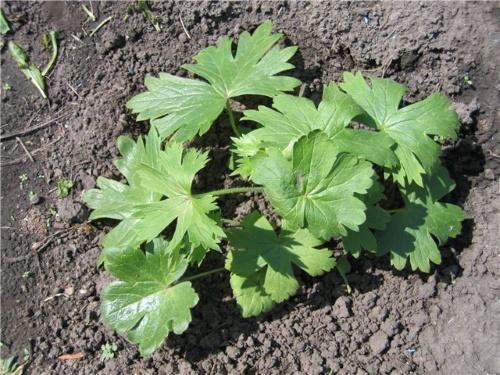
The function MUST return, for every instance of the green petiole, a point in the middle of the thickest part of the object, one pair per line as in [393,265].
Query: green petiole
[53,43]
[238,190]
[231,120]
[202,274]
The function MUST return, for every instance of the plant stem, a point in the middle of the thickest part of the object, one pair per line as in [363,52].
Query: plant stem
[236,190]
[53,42]
[231,119]
[202,274]
[101,25]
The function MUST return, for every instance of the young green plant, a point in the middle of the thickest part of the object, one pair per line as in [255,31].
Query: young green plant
[31,71]
[4,23]
[324,168]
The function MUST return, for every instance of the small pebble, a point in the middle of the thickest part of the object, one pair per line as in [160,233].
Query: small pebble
[488,173]
[379,342]
[342,307]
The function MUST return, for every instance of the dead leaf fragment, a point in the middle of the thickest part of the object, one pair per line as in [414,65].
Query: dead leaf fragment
[72,356]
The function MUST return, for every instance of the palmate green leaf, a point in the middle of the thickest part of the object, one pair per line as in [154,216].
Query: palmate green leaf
[409,127]
[148,302]
[177,106]
[246,147]
[252,71]
[173,179]
[183,107]
[116,200]
[376,218]
[295,117]
[317,188]
[261,263]
[411,231]
[153,174]
[250,293]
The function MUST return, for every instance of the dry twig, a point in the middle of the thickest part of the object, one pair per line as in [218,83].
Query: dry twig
[184,27]
[25,149]
[72,357]
[39,246]
[22,159]
[32,129]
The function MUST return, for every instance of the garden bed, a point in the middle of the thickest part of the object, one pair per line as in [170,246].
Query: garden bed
[393,322]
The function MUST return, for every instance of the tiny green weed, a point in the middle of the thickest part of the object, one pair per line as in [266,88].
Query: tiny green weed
[108,351]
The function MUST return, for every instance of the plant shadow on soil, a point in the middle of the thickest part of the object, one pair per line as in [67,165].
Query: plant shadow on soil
[217,321]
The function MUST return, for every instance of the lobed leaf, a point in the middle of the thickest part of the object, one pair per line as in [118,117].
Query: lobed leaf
[253,70]
[183,107]
[410,231]
[250,294]
[261,263]
[376,219]
[116,200]
[148,302]
[295,117]
[409,127]
[246,147]
[153,174]
[317,188]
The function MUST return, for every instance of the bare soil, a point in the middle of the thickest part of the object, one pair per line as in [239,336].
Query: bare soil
[447,322]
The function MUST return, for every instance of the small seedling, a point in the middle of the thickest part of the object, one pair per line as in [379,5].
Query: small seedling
[26,354]
[31,72]
[4,23]
[324,176]
[467,80]
[142,6]
[22,180]
[33,197]
[45,40]
[64,186]
[51,216]
[9,366]
[27,274]
[344,268]
[7,87]
[108,351]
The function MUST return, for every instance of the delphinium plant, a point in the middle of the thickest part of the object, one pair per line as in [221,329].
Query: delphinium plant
[358,168]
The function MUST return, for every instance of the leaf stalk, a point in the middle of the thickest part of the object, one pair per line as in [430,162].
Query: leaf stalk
[230,114]
[236,190]
[53,42]
[201,274]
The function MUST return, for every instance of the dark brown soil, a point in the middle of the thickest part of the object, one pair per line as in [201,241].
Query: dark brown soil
[394,322]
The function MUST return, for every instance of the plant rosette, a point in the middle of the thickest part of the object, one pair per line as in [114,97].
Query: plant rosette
[325,169]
